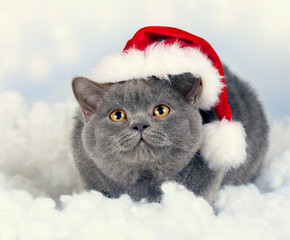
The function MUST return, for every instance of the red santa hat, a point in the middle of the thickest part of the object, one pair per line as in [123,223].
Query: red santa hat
[163,51]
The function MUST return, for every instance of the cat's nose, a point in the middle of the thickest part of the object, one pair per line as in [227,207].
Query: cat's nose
[140,127]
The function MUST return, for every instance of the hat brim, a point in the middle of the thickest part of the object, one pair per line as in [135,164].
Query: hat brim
[160,60]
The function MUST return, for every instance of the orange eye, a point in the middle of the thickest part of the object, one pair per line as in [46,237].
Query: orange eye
[118,115]
[161,111]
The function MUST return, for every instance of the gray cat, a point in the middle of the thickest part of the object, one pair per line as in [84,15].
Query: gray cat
[130,137]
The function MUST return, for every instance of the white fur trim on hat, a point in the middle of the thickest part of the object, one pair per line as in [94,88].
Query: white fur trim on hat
[160,60]
[224,144]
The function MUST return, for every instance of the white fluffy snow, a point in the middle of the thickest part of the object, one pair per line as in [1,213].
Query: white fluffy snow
[40,196]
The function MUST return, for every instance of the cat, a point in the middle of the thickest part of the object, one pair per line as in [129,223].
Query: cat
[141,133]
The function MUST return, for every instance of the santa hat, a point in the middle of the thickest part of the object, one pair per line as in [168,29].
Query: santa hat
[163,51]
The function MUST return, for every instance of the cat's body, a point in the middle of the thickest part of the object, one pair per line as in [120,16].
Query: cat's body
[113,160]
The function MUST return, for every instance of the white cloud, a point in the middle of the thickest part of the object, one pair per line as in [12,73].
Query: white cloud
[35,145]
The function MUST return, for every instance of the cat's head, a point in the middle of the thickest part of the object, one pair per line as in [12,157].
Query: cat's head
[140,126]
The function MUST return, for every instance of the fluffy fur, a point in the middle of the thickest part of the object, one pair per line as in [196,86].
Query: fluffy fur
[221,141]
[110,158]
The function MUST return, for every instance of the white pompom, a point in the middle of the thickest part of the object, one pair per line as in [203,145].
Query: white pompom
[224,144]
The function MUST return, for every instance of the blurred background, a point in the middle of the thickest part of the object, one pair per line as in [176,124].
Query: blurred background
[43,44]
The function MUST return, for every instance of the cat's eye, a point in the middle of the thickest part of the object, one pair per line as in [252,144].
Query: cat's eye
[161,111]
[117,115]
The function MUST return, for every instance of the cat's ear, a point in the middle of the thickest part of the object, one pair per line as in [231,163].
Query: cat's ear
[188,85]
[88,94]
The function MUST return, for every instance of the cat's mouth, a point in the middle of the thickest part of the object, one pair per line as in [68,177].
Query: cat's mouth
[142,142]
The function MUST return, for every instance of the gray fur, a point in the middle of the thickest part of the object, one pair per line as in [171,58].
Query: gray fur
[109,160]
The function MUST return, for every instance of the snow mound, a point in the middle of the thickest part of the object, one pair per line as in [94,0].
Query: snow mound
[40,196]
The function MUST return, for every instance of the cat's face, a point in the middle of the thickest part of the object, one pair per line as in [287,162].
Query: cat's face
[139,127]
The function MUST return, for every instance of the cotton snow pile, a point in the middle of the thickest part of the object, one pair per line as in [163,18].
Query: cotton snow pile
[41,196]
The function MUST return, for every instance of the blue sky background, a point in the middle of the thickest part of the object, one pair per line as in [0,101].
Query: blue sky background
[43,44]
